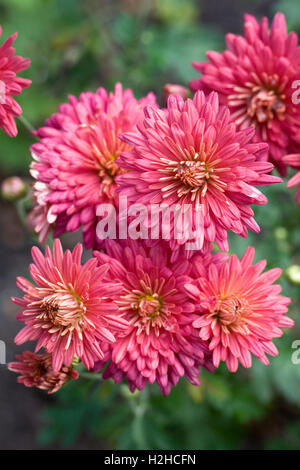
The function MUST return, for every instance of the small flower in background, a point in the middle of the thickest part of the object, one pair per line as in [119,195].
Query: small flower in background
[75,160]
[293,273]
[193,154]
[67,311]
[254,77]
[174,89]
[36,371]
[152,311]
[239,310]
[13,188]
[160,345]
[11,85]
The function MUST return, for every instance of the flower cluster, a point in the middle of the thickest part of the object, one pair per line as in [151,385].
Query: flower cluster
[150,318]
[155,310]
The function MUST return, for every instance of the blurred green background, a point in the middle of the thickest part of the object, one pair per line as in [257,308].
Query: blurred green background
[78,45]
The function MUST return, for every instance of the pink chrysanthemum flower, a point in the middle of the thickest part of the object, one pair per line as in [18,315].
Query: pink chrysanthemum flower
[160,344]
[75,160]
[239,309]
[10,84]
[192,154]
[36,371]
[254,77]
[67,311]
[294,161]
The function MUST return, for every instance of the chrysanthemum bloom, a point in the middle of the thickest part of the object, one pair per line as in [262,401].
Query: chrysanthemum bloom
[294,161]
[75,160]
[36,371]
[192,154]
[67,311]
[254,77]
[10,84]
[239,309]
[160,344]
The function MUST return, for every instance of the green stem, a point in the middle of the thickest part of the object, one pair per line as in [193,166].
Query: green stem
[139,406]
[26,124]
[21,206]
[93,376]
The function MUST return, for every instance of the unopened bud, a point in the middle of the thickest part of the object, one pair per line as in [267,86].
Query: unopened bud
[293,273]
[281,233]
[76,361]
[173,89]
[13,188]
[126,393]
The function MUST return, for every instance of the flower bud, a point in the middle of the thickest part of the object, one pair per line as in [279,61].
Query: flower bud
[174,89]
[293,273]
[13,188]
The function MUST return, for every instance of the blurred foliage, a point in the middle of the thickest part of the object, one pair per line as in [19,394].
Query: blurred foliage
[78,45]
[291,10]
